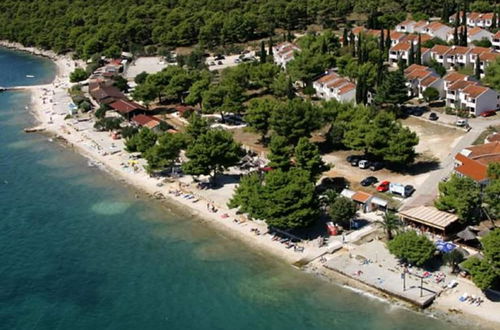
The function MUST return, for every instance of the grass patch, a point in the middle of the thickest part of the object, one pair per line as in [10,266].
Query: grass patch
[485,133]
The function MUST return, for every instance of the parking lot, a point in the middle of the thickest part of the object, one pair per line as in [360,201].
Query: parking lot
[434,146]
[222,62]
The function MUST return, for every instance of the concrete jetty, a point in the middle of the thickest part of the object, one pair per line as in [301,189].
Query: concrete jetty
[22,88]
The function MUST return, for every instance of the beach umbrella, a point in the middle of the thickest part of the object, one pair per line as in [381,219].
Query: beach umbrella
[466,235]
[445,247]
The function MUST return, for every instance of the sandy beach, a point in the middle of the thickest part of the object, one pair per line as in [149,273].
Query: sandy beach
[50,107]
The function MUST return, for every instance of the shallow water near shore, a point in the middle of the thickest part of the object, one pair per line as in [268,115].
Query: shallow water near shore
[78,250]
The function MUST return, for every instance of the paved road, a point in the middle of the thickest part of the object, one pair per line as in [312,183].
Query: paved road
[428,190]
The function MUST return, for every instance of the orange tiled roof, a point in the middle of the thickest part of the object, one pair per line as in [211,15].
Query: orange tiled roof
[428,81]
[358,29]
[418,74]
[475,165]
[347,88]
[454,76]
[414,67]
[474,91]
[497,35]
[489,57]
[479,50]
[402,46]
[327,77]
[460,85]
[361,197]
[484,149]
[459,50]
[440,49]
[474,30]
[434,26]
[337,83]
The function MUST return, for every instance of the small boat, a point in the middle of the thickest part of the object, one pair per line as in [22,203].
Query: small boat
[92,163]
[30,76]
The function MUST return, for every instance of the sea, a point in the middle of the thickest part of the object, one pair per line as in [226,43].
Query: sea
[79,250]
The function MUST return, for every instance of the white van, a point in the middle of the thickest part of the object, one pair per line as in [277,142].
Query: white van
[401,189]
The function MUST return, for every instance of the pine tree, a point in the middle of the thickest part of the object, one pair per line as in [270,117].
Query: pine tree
[477,68]
[455,33]
[382,40]
[401,64]
[352,41]
[263,54]
[270,46]
[358,48]
[345,39]
[388,41]
[445,13]
[418,56]
[411,55]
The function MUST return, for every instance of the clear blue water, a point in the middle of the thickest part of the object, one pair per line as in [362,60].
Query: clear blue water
[79,251]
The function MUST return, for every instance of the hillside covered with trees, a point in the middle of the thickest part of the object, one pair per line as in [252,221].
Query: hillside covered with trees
[90,26]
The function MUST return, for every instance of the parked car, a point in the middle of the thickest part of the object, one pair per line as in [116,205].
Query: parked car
[433,116]
[375,166]
[363,164]
[211,63]
[237,60]
[383,186]
[219,63]
[461,122]
[488,113]
[368,181]
[219,57]
[355,162]
[401,189]
[350,158]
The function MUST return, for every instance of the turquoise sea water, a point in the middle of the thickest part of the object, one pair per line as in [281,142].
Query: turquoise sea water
[79,251]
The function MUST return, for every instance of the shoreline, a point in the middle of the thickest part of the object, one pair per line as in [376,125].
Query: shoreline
[47,116]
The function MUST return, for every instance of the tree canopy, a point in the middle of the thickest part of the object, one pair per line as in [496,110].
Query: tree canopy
[211,153]
[410,246]
[460,195]
[283,199]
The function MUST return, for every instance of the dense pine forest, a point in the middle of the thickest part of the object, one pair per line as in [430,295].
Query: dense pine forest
[105,26]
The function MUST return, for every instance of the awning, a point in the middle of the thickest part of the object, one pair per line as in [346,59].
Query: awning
[347,193]
[379,201]
[429,216]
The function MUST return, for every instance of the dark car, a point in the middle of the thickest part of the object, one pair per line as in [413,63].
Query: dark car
[409,189]
[433,116]
[350,158]
[368,181]
[219,57]
[375,166]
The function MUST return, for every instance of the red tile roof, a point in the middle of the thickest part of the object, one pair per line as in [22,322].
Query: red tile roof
[347,88]
[440,49]
[454,76]
[474,91]
[475,165]
[402,46]
[428,81]
[143,120]
[126,106]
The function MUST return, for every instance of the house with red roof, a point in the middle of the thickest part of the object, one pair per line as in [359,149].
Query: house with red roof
[475,19]
[486,59]
[439,53]
[105,94]
[472,162]
[437,30]
[284,53]
[333,86]
[150,122]
[402,51]
[473,34]
[127,108]
[421,77]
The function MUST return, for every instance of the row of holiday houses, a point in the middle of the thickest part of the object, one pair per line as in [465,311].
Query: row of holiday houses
[459,91]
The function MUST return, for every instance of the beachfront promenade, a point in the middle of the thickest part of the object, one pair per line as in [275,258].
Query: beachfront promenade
[374,266]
